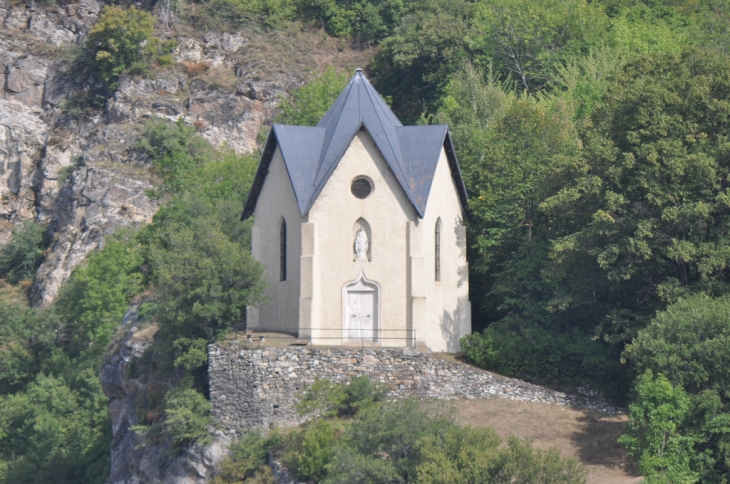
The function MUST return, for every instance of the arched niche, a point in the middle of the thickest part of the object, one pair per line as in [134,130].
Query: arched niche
[361,310]
[362,224]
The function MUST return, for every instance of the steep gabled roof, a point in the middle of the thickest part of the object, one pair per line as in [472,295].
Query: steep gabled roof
[311,154]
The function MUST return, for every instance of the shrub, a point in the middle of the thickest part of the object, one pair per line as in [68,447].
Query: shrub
[187,416]
[122,41]
[20,258]
[246,460]
[360,394]
[517,347]
[316,449]
[465,455]
[204,280]
[176,150]
[27,337]
[56,431]
[329,399]
[190,354]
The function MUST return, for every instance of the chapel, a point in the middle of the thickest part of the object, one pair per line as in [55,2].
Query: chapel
[359,223]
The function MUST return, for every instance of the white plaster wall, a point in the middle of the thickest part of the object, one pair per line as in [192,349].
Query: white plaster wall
[447,314]
[387,211]
[275,201]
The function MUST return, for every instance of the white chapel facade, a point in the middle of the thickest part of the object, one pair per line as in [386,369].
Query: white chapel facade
[359,223]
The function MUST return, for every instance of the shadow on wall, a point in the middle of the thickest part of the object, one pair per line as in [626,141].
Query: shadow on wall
[460,231]
[451,331]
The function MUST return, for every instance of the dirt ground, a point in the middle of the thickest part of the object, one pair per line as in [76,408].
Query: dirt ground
[586,434]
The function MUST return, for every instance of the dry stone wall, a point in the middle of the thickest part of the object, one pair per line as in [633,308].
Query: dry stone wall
[260,388]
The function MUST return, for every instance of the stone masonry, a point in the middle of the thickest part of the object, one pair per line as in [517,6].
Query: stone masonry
[260,387]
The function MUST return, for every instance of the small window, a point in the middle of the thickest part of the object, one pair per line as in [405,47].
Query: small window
[361,188]
[438,250]
[282,251]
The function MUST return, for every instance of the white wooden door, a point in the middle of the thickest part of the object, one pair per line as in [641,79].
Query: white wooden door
[361,315]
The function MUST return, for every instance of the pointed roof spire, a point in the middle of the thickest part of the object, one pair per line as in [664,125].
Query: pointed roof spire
[312,154]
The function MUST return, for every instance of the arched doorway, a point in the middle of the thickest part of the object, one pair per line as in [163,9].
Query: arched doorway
[361,310]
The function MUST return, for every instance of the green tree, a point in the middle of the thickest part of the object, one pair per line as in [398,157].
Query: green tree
[310,102]
[649,203]
[414,64]
[186,416]
[654,433]
[20,257]
[94,299]
[203,282]
[526,40]
[27,341]
[55,432]
[686,347]
[368,20]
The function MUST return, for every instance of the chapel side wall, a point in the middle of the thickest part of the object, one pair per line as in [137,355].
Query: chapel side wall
[446,317]
[275,201]
[387,211]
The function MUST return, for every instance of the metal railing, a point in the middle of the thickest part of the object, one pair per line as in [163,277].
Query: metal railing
[343,337]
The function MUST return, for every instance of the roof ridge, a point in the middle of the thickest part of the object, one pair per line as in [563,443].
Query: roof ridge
[312,156]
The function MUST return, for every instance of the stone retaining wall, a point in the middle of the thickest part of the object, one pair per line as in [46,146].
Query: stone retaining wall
[260,388]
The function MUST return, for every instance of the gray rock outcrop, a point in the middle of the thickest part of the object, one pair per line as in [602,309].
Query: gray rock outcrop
[79,173]
[134,459]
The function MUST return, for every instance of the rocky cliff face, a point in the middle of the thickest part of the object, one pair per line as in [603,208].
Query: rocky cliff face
[135,460]
[80,175]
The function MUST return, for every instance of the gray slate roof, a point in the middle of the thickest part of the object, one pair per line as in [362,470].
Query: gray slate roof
[311,154]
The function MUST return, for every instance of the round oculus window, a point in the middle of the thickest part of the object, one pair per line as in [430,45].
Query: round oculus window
[361,188]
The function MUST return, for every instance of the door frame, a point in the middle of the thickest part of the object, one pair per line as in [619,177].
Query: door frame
[361,284]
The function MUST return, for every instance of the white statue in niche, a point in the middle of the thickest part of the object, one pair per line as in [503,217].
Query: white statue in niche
[361,244]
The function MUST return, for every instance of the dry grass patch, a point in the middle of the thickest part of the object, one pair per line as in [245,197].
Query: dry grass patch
[586,434]
[194,68]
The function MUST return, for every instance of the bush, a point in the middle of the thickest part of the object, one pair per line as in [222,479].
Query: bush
[404,441]
[187,416]
[368,20]
[203,279]
[317,443]
[20,258]
[328,399]
[516,347]
[123,42]
[464,455]
[176,151]
[56,431]
[246,459]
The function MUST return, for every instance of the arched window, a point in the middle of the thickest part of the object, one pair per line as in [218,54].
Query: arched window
[437,245]
[282,251]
